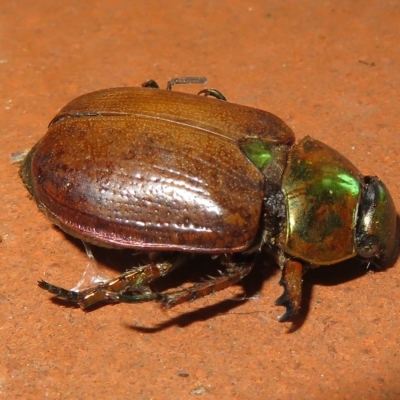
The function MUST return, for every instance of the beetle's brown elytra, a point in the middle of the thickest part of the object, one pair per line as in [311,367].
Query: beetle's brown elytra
[157,170]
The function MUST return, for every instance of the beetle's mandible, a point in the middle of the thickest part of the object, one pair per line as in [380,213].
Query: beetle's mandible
[159,171]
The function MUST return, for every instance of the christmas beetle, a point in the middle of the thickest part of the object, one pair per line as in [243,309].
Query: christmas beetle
[160,171]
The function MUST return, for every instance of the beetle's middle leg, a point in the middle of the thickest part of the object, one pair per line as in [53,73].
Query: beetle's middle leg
[235,271]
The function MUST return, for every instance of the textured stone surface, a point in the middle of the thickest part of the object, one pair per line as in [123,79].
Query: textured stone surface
[330,70]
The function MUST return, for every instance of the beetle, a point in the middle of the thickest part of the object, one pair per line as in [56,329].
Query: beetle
[162,171]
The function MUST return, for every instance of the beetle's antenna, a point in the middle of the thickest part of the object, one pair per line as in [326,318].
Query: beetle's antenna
[184,80]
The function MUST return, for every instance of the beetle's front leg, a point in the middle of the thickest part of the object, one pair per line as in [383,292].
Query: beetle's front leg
[292,279]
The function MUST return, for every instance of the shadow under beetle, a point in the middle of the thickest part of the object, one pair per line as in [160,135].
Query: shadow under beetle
[159,171]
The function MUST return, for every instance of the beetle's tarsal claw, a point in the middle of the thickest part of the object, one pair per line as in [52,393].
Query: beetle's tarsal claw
[59,292]
[289,314]
[292,283]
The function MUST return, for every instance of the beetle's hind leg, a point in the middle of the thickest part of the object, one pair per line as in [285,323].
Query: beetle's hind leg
[134,281]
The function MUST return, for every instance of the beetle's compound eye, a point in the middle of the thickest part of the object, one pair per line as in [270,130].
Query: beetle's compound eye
[376,226]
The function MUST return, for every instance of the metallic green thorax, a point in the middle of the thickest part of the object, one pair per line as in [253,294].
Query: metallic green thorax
[322,190]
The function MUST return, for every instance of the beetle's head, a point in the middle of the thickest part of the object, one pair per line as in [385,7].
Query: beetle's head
[376,224]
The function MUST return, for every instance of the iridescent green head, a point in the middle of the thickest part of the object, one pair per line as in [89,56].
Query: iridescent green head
[376,225]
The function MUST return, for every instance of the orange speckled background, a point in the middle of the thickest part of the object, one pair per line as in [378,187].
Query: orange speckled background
[330,69]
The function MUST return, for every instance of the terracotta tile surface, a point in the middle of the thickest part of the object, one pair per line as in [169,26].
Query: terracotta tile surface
[330,70]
